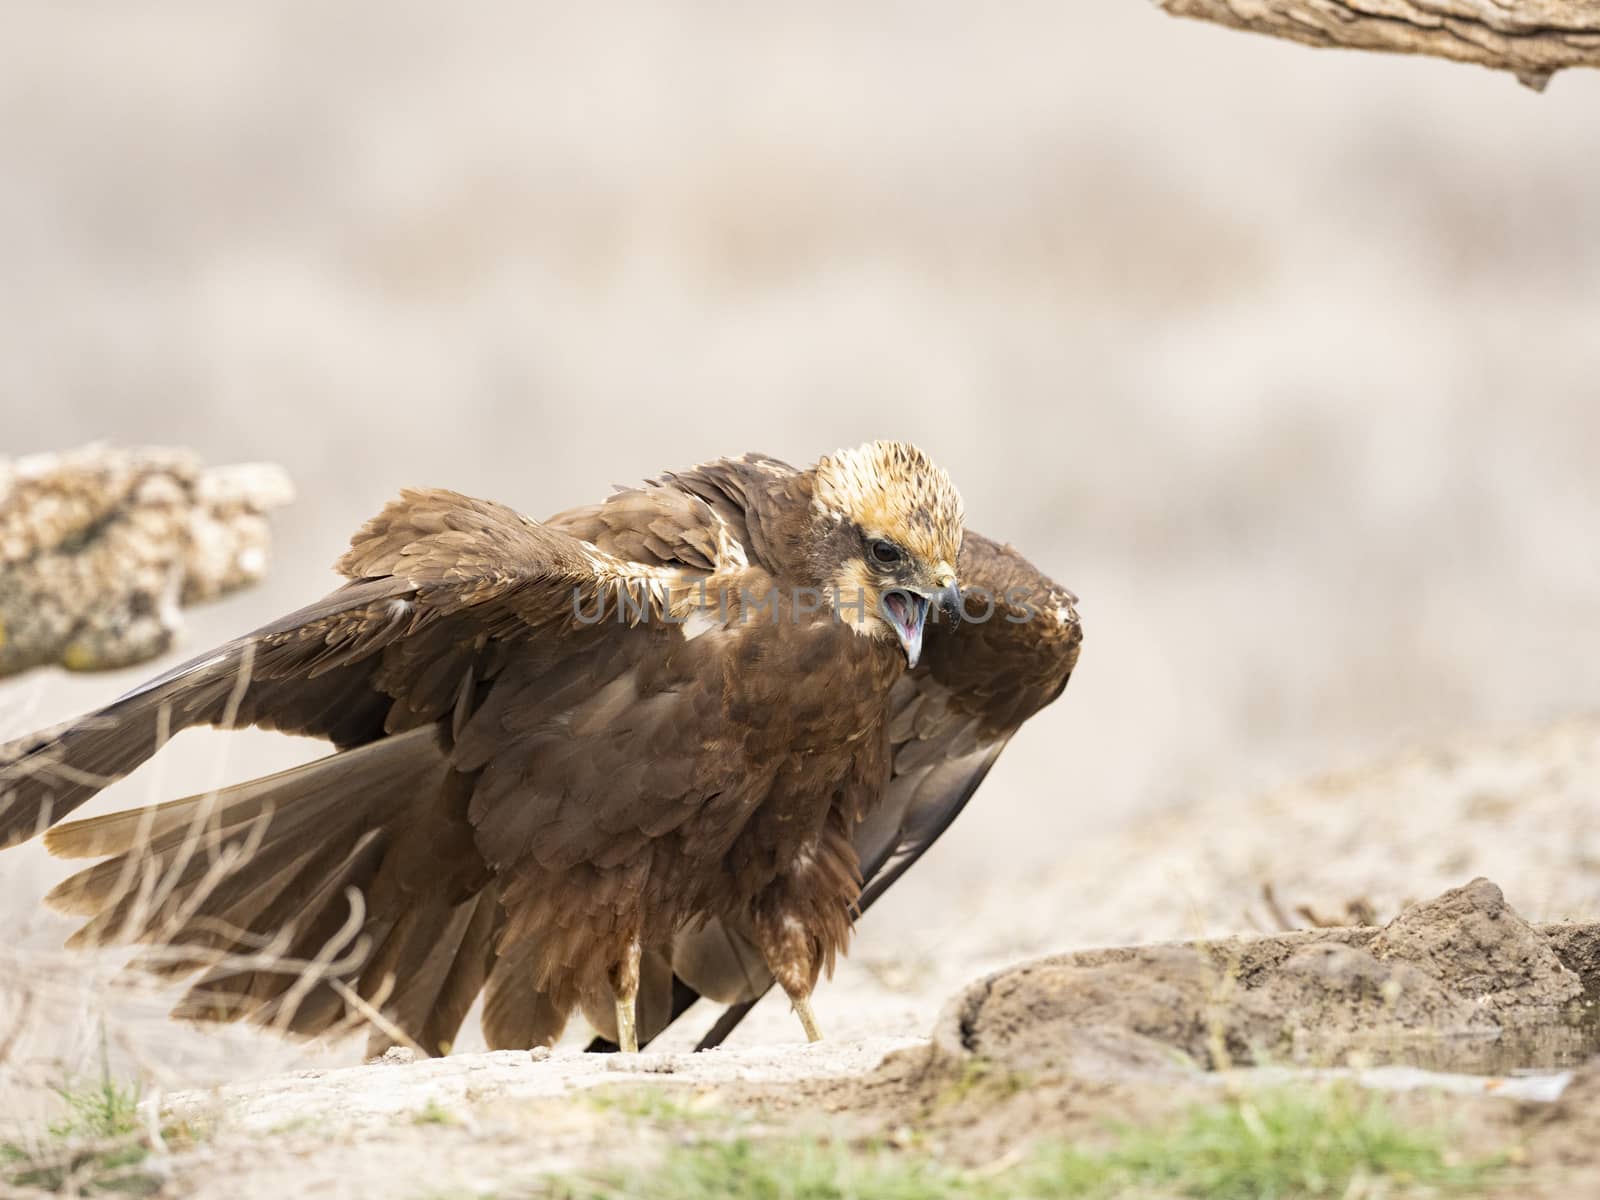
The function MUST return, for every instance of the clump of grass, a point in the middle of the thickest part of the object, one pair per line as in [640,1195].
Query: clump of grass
[1278,1145]
[104,1110]
[97,1146]
[776,1170]
[434,1113]
[656,1104]
[983,1079]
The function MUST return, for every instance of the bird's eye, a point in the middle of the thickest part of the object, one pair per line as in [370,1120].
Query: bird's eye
[885,552]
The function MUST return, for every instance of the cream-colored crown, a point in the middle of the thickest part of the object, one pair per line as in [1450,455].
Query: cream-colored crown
[893,490]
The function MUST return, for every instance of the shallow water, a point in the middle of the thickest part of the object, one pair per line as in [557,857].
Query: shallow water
[1560,1045]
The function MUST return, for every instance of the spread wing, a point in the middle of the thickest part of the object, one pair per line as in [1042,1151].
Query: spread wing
[953,716]
[459,618]
[441,587]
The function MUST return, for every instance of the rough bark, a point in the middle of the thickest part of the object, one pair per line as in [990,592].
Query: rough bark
[99,547]
[1533,39]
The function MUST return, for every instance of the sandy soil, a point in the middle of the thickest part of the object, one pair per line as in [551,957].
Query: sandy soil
[1444,981]
[1125,1035]
[1463,982]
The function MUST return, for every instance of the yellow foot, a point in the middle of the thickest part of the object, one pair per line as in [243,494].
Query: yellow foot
[625,991]
[802,1008]
[627,1027]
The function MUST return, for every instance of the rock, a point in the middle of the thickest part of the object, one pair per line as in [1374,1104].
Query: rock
[1464,966]
[100,547]
[1330,997]
[1471,939]
[1054,1014]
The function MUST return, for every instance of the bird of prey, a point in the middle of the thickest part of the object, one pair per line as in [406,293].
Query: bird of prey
[660,746]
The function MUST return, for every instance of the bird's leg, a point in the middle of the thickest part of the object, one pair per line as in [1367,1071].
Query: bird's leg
[792,955]
[625,989]
[808,1021]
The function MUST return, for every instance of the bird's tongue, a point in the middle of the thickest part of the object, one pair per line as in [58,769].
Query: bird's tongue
[907,614]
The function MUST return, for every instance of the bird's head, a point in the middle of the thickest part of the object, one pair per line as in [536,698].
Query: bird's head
[888,525]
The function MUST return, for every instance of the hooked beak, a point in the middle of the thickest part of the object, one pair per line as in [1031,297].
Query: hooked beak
[906,610]
[948,601]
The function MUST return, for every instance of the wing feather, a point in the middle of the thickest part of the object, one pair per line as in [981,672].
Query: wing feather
[438,582]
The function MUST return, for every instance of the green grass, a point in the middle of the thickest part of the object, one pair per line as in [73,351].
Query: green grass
[778,1170]
[434,1113]
[98,1146]
[1277,1145]
[981,1079]
[646,1103]
[105,1110]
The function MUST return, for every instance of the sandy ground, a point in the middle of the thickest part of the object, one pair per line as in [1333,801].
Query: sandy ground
[1399,831]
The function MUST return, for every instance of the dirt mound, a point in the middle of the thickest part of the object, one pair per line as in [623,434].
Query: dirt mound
[1462,967]
[1472,941]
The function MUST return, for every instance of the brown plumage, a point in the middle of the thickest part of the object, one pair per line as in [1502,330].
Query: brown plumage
[647,748]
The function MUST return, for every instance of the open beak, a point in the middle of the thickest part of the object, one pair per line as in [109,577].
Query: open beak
[907,613]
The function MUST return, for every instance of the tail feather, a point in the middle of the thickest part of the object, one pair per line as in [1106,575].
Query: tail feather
[517,1014]
[277,914]
[264,869]
[176,859]
[414,966]
[230,992]
[306,809]
[118,832]
[402,943]
[474,959]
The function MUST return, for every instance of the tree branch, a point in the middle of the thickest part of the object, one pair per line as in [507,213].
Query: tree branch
[1533,39]
[99,547]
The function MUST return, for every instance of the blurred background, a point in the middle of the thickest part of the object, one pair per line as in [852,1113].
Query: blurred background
[1288,362]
